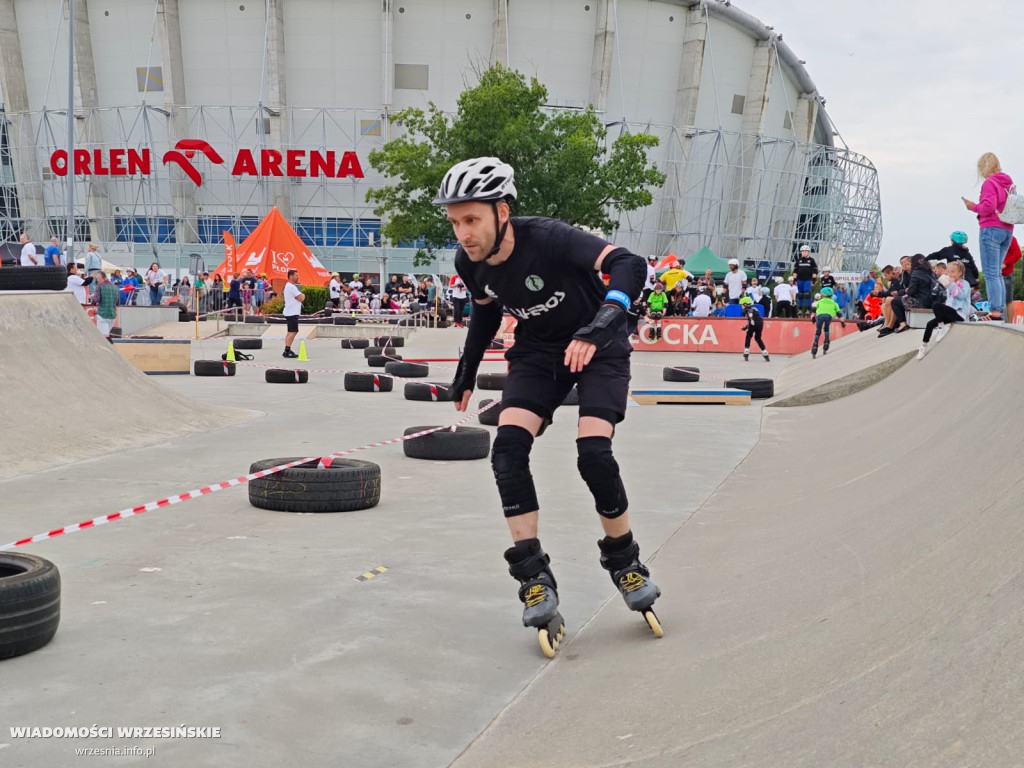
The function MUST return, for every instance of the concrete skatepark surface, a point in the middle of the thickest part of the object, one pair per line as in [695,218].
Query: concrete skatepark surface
[818,611]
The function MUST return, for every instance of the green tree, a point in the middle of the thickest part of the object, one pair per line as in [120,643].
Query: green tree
[564,167]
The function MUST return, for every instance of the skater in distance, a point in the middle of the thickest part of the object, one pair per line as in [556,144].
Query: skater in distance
[570,330]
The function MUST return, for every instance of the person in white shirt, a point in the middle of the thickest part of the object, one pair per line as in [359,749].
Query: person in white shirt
[28,253]
[335,291]
[784,300]
[652,277]
[735,282]
[702,304]
[76,283]
[293,299]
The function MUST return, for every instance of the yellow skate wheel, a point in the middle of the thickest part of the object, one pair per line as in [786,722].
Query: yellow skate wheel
[546,646]
[654,624]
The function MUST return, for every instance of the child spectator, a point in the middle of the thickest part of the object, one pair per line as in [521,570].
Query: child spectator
[656,304]
[954,309]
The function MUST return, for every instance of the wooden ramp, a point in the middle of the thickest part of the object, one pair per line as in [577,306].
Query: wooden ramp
[706,396]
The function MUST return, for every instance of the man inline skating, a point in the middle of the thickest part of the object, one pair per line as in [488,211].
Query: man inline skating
[570,330]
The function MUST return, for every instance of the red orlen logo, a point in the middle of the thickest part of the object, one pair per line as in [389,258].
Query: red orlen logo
[294,163]
[183,159]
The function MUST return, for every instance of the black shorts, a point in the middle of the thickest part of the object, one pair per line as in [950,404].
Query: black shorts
[293,323]
[539,381]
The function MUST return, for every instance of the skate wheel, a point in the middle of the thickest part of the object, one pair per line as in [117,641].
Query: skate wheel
[653,623]
[549,645]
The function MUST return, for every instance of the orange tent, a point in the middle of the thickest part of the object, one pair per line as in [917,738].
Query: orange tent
[273,248]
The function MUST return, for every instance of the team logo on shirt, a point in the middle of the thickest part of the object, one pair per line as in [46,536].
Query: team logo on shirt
[534,283]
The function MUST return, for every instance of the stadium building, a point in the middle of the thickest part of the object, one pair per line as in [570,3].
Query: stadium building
[196,116]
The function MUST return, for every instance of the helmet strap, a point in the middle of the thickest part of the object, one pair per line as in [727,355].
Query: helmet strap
[501,229]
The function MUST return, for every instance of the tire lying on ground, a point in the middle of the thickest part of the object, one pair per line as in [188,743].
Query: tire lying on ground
[680,373]
[244,343]
[407,370]
[371,350]
[29,599]
[389,341]
[368,382]
[355,343]
[433,391]
[489,417]
[760,389]
[186,317]
[381,361]
[344,320]
[464,444]
[345,486]
[494,381]
[285,376]
[46,278]
[255,320]
[213,368]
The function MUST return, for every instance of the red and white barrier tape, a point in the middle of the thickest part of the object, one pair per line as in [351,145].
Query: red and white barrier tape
[323,461]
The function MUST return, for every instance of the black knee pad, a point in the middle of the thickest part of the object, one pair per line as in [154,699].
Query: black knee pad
[510,460]
[600,471]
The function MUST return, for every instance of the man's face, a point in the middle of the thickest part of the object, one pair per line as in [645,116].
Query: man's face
[805,252]
[54,241]
[733,267]
[473,225]
[294,278]
[24,239]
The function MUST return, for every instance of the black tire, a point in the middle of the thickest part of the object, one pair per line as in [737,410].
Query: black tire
[368,382]
[408,370]
[680,373]
[389,341]
[285,376]
[256,320]
[431,391]
[355,343]
[145,337]
[380,361]
[344,320]
[491,381]
[464,444]
[29,599]
[48,278]
[489,417]
[244,343]
[345,486]
[186,317]
[115,332]
[213,368]
[760,389]
[369,350]
[573,398]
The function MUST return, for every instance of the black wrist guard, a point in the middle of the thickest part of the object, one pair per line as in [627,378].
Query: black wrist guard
[608,325]
[484,322]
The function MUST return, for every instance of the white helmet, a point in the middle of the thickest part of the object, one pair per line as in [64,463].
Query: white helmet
[805,247]
[481,179]
[733,263]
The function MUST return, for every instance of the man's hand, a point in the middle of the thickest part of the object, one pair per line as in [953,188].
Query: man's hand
[578,354]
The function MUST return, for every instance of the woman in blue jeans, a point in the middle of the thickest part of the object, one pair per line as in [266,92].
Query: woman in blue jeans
[995,234]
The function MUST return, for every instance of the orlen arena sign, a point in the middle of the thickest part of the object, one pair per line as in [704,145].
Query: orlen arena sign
[293,163]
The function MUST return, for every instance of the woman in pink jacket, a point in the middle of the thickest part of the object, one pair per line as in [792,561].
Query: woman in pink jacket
[995,234]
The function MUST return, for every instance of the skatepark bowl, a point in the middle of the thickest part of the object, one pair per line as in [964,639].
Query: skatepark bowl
[840,567]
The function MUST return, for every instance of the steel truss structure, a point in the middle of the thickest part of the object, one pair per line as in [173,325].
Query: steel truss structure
[751,197]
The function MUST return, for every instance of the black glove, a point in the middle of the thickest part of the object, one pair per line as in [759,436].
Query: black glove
[608,325]
[464,381]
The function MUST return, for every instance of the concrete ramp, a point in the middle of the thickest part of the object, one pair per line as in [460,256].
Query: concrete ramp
[853,363]
[851,596]
[69,395]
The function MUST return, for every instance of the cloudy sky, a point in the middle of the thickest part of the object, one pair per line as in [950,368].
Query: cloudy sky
[922,89]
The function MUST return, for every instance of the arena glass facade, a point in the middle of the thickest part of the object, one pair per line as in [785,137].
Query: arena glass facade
[218,112]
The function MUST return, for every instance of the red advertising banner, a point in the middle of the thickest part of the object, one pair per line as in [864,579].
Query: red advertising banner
[690,334]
